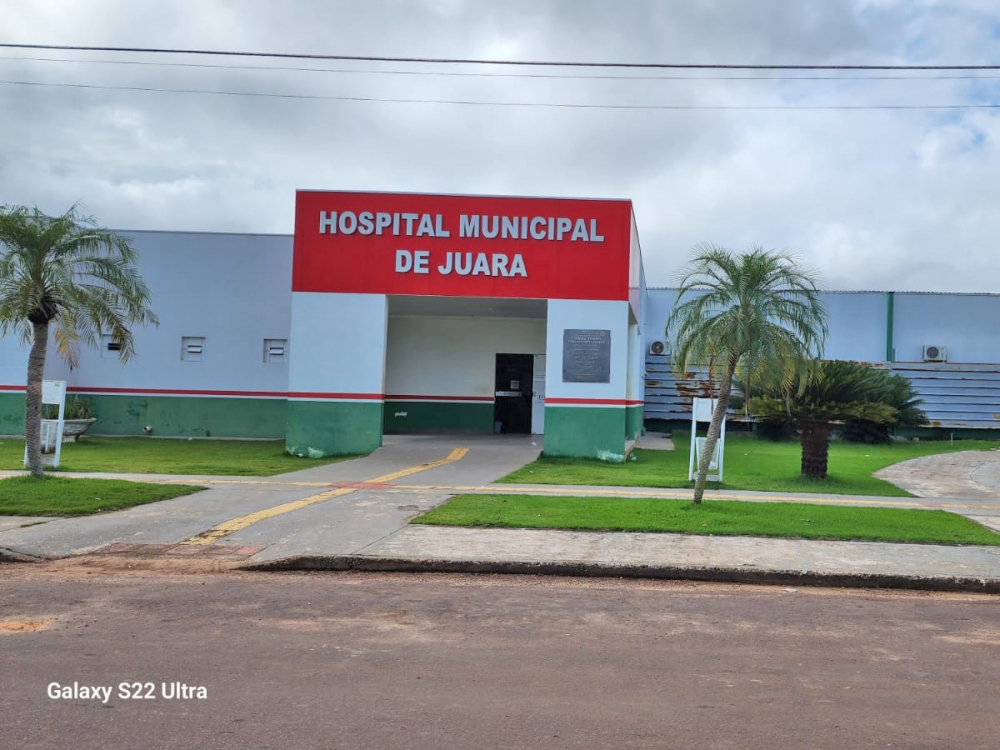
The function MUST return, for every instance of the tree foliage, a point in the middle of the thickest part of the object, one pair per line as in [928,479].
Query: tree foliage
[65,273]
[752,312]
[897,392]
[824,392]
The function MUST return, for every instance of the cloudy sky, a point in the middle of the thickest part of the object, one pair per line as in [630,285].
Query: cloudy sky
[874,198]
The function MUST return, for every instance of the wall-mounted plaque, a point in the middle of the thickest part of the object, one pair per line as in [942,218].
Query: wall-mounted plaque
[586,355]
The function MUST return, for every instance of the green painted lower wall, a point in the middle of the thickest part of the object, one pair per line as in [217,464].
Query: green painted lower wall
[423,416]
[333,428]
[189,416]
[633,422]
[594,432]
[11,413]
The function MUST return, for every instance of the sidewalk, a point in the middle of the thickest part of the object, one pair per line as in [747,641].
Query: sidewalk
[364,526]
[668,556]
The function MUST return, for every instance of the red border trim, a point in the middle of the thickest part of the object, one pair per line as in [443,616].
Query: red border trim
[593,402]
[411,397]
[587,401]
[336,396]
[243,394]
[332,396]
[174,392]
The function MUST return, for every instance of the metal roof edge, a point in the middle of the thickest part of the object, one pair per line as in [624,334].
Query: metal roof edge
[867,291]
[465,195]
[203,231]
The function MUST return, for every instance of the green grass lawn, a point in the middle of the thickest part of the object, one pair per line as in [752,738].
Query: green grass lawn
[62,496]
[712,517]
[750,464]
[140,455]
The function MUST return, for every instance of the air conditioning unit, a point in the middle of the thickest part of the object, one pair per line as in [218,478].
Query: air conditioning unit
[657,347]
[935,353]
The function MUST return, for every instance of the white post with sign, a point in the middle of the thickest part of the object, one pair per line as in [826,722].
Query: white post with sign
[53,392]
[701,411]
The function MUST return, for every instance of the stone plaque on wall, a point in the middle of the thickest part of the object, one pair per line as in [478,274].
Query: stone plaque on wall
[586,355]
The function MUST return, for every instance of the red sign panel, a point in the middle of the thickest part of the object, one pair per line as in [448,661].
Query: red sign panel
[461,246]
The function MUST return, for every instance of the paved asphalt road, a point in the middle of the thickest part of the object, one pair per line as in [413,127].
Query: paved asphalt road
[393,661]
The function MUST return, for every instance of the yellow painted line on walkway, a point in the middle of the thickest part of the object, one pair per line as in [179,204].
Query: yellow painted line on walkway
[241,481]
[455,455]
[233,525]
[226,528]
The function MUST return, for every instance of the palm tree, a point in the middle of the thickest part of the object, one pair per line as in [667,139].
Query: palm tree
[67,273]
[751,311]
[898,392]
[834,391]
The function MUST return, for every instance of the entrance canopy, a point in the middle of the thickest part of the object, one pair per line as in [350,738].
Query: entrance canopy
[465,364]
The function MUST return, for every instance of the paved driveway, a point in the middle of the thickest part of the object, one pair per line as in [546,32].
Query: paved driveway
[334,509]
[967,482]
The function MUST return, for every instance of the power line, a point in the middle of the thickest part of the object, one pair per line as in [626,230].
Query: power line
[550,105]
[468,74]
[472,61]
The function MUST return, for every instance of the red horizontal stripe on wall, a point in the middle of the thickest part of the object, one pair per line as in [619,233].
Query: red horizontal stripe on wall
[175,392]
[335,396]
[634,403]
[11,387]
[243,394]
[407,397]
[588,401]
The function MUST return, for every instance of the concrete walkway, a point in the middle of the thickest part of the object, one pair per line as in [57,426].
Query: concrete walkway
[358,515]
[744,559]
[655,441]
[972,475]
[354,515]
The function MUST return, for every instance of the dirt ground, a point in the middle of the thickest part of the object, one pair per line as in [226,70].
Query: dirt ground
[305,660]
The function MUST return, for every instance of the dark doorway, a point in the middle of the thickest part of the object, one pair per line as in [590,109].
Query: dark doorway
[512,405]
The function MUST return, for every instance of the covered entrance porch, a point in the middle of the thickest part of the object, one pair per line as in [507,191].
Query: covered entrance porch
[461,364]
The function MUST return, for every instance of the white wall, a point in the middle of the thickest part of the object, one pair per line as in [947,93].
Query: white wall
[450,356]
[610,315]
[857,323]
[232,289]
[636,384]
[13,362]
[655,311]
[338,343]
[965,323]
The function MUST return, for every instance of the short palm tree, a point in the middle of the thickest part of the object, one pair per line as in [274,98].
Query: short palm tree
[752,311]
[66,273]
[836,391]
[898,392]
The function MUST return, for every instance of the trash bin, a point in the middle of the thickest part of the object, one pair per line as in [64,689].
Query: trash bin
[497,428]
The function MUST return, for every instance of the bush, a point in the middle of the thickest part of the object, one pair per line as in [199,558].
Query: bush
[863,431]
[777,430]
[898,392]
[76,408]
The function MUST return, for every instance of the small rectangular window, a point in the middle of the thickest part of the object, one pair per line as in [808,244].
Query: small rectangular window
[192,348]
[110,349]
[275,350]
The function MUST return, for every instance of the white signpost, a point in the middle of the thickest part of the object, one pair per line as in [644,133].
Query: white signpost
[53,392]
[701,411]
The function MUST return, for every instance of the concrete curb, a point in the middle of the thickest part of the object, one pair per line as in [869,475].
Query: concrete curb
[609,570]
[10,556]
